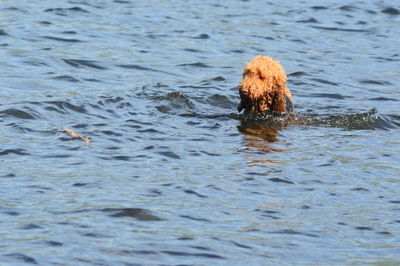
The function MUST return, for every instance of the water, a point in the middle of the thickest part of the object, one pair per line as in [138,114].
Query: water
[174,175]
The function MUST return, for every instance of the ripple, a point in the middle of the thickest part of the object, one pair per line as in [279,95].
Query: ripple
[187,254]
[17,113]
[86,63]
[137,213]
[14,151]
[195,65]
[343,29]
[62,39]
[66,11]
[391,11]
[21,257]
[66,78]
[3,33]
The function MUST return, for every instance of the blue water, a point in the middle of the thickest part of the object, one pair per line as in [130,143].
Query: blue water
[173,175]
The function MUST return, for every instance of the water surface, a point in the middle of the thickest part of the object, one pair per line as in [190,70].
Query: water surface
[174,175]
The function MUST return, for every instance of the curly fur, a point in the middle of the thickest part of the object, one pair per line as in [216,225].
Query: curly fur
[264,87]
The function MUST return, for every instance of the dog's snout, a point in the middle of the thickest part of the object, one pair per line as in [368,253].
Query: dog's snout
[243,90]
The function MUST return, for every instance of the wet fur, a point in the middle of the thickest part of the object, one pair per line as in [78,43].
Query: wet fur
[264,87]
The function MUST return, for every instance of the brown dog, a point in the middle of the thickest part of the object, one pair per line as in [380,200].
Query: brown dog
[264,87]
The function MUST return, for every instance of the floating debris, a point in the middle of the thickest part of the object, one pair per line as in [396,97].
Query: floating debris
[73,134]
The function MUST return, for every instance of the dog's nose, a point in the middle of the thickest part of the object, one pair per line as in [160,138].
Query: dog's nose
[243,90]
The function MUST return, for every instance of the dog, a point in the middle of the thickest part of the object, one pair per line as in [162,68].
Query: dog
[263,88]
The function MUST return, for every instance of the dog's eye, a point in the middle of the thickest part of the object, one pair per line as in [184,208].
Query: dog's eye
[260,75]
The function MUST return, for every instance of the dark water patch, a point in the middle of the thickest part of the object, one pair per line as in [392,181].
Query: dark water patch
[293,232]
[383,99]
[335,96]
[45,23]
[374,82]
[201,248]
[297,74]
[210,81]
[138,252]
[66,106]
[122,2]
[240,245]
[310,20]
[387,59]
[265,124]
[363,121]
[80,184]
[169,154]
[185,238]
[11,213]
[280,180]
[137,67]
[319,7]
[209,153]
[66,11]
[189,191]
[363,228]
[51,243]
[72,32]
[348,8]
[122,158]
[266,211]
[238,51]
[86,63]
[95,235]
[31,227]
[360,189]
[3,33]
[8,175]
[202,36]
[17,113]
[187,254]
[142,68]
[222,101]
[195,65]
[110,133]
[343,29]
[137,213]
[173,102]
[62,39]
[391,11]
[194,218]
[66,78]
[14,151]
[21,257]
[191,50]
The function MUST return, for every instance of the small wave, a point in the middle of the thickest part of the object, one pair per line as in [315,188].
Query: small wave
[172,102]
[363,121]
[21,114]
[87,63]
[341,29]
[370,120]
[196,65]
[137,213]
[65,11]
[391,11]
[61,39]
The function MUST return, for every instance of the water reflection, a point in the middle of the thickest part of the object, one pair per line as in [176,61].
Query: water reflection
[258,140]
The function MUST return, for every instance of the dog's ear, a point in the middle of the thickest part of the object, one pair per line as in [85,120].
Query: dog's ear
[245,72]
[260,74]
[279,101]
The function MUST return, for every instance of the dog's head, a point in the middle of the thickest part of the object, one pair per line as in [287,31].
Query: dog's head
[264,87]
